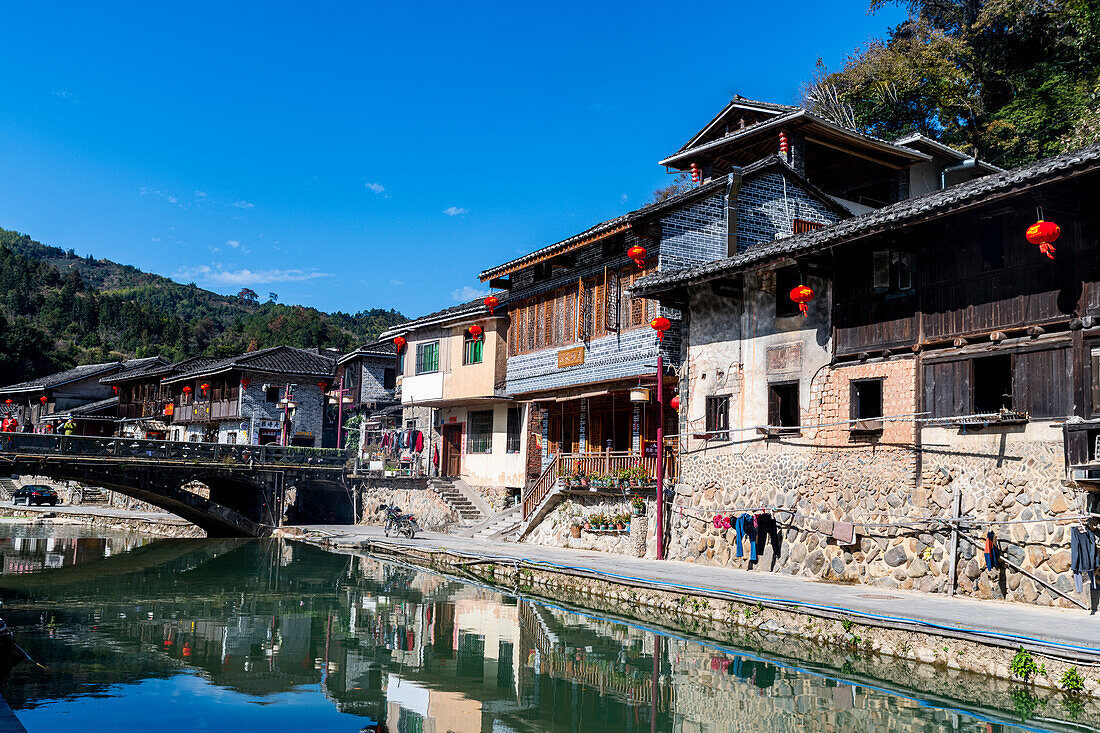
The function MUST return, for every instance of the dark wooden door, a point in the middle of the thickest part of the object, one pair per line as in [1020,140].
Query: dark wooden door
[452,450]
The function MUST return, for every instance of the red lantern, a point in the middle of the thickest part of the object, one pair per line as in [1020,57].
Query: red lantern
[245,381]
[475,331]
[491,302]
[43,399]
[674,403]
[400,342]
[187,389]
[115,388]
[637,253]
[204,386]
[695,174]
[1044,234]
[783,144]
[660,324]
[323,385]
[8,402]
[802,295]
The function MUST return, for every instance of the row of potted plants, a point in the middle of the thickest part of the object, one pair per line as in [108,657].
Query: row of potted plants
[634,476]
[604,521]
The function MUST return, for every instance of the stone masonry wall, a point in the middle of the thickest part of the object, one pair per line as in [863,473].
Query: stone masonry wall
[555,530]
[430,510]
[828,474]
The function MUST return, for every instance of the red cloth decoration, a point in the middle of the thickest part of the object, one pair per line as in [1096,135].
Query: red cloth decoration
[1044,234]
[802,295]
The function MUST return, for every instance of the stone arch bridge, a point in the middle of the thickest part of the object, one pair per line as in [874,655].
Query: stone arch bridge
[247,490]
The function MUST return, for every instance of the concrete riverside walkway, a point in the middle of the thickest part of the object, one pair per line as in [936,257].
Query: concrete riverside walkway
[1066,633]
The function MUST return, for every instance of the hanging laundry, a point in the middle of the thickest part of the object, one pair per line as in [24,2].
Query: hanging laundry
[992,554]
[746,528]
[768,531]
[1082,560]
[419,444]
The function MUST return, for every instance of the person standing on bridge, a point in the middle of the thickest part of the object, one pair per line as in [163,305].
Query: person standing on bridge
[69,427]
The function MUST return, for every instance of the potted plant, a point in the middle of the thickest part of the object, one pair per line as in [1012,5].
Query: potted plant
[637,504]
[582,479]
[620,521]
[575,528]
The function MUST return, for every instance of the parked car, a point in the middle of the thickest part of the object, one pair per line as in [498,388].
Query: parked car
[31,494]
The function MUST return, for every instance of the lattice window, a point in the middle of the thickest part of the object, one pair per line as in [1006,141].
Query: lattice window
[611,300]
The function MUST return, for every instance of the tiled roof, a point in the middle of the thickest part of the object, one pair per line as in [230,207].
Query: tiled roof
[606,226]
[472,309]
[910,211]
[93,407]
[385,348]
[274,360]
[790,117]
[657,207]
[55,380]
[158,368]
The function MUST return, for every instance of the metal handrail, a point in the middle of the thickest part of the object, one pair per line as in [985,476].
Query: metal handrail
[79,446]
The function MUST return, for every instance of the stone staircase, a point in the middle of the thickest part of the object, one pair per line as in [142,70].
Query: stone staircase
[7,488]
[502,526]
[468,512]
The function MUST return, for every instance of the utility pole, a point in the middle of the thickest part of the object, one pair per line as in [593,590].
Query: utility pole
[660,456]
[287,397]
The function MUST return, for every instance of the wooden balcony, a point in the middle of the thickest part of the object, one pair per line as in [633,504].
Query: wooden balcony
[1082,447]
[206,411]
[607,463]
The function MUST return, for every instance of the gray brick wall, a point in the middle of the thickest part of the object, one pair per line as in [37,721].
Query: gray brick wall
[768,205]
[694,234]
[372,380]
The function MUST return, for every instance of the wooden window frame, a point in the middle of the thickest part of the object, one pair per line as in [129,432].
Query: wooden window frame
[718,415]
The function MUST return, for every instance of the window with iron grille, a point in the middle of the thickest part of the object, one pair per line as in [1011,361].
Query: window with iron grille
[427,357]
[515,429]
[480,438]
[471,350]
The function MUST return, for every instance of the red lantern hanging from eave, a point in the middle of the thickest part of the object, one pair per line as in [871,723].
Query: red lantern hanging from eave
[245,381]
[660,324]
[475,331]
[43,399]
[400,342]
[802,295]
[783,147]
[114,387]
[187,389]
[8,402]
[491,302]
[674,403]
[695,173]
[637,253]
[323,385]
[1044,234]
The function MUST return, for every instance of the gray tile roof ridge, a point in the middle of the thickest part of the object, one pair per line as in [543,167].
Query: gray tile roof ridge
[63,377]
[445,314]
[894,213]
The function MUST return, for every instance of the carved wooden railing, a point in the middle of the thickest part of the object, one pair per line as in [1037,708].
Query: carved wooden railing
[205,411]
[539,488]
[168,450]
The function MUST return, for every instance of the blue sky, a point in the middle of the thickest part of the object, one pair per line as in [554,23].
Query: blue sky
[357,155]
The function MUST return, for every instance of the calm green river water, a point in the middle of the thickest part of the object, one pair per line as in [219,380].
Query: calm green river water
[215,635]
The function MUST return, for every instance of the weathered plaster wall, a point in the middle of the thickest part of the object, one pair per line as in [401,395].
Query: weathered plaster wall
[499,467]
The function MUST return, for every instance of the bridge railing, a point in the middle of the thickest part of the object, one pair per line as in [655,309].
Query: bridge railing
[172,450]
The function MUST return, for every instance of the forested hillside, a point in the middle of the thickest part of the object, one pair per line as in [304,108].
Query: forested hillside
[58,309]
[1009,80]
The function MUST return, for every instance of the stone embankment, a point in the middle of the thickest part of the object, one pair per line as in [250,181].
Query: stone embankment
[160,524]
[951,659]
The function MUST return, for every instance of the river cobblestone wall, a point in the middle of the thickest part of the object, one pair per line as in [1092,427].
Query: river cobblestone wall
[430,510]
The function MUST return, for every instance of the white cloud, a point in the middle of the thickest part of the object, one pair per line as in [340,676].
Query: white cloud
[455,211]
[232,243]
[243,204]
[623,199]
[200,194]
[66,95]
[397,283]
[466,293]
[375,187]
[219,276]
